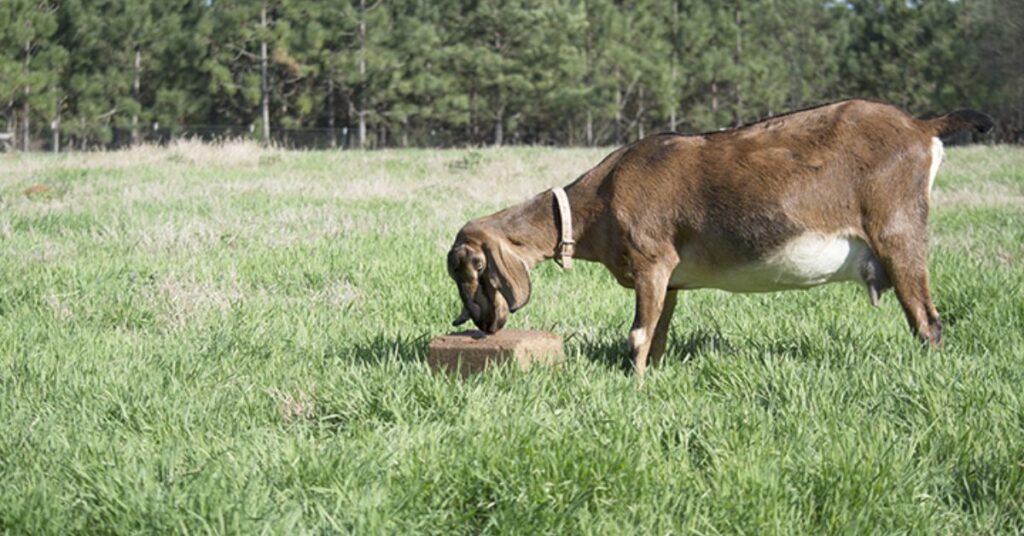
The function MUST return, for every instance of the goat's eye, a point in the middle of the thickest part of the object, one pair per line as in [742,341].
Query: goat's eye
[478,264]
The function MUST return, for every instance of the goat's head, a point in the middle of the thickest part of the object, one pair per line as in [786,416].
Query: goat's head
[492,279]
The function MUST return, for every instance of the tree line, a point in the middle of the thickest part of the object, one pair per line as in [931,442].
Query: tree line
[381,73]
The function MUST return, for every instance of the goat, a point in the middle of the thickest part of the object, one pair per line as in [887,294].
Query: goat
[839,192]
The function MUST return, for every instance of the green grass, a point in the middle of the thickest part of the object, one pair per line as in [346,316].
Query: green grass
[231,340]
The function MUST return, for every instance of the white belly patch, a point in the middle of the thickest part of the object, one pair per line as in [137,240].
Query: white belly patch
[805,261]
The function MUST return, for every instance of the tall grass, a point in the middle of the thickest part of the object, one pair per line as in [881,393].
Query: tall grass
[231,340]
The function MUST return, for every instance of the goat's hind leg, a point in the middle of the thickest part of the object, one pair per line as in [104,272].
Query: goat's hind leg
[905,259]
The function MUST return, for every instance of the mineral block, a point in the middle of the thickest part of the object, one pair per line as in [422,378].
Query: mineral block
[469,352]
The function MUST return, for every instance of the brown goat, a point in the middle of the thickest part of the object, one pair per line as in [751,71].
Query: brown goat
[839,192]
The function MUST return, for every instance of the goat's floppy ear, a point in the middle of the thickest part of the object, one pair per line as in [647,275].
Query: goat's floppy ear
[508,274]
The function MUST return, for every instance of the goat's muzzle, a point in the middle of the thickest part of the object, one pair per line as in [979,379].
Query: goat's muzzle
[492,280]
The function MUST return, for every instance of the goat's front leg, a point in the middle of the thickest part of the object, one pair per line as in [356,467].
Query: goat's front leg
[651,286]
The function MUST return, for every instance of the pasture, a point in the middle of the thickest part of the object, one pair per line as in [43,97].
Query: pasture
[228,339]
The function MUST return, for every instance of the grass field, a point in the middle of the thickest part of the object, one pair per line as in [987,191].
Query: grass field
[232,340]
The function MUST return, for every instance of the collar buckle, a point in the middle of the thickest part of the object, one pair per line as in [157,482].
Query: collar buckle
[566,249]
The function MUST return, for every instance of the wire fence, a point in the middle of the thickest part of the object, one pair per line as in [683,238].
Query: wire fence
[311,138]
[112,138]
[293,138]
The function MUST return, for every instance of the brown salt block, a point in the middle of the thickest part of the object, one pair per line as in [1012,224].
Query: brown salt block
[469,352]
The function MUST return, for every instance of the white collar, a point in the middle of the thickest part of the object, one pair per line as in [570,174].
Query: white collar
[566,245]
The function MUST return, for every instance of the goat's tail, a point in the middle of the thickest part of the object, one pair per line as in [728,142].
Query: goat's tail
[960,120]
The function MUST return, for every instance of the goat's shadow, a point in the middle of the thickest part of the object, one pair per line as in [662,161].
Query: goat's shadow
[375,350]
[614,352]
[603,349]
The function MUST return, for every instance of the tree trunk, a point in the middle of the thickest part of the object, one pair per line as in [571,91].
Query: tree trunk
[362,74]
[362,129]
[590,128]
[26,138]
[714,101]
[12,123]
[675,65]
[618,115]
[640,114]
[499,126]
[738,62]
[470,124]
[135,95]
[349,140]
[588,78]
[264,85]
[55,129]
[331,112]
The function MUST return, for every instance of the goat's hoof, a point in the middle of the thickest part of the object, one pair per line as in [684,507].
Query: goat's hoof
[935,340]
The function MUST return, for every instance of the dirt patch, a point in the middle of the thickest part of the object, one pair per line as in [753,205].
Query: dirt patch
[182,297]
[292,407]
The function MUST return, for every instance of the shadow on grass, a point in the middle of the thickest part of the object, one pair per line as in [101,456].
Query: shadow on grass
[614,354]
[697,343]
[957,308]
[610,353]
[380,348]
[976,485]
[796,347]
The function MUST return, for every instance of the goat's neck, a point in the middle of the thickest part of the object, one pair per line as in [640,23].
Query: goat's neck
[533,227]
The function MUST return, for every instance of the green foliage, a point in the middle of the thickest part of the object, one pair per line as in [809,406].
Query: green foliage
[232,340]
[411,72]
[997,33]
[31,60]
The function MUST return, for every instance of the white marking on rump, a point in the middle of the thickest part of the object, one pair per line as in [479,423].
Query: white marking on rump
[807,260]
[937,154]
[637,337]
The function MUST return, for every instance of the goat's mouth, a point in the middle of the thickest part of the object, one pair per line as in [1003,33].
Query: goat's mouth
[494,317]
[488,315]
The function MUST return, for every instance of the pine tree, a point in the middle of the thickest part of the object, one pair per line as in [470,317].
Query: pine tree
[558,71]
[419,72]
[494,41]
[175,88]
[112,40]
[991,71]
[234,33]
[889,52]
[811,51]
[30,65]
[422,96]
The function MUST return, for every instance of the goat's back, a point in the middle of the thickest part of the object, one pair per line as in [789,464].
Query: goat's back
[742,193]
